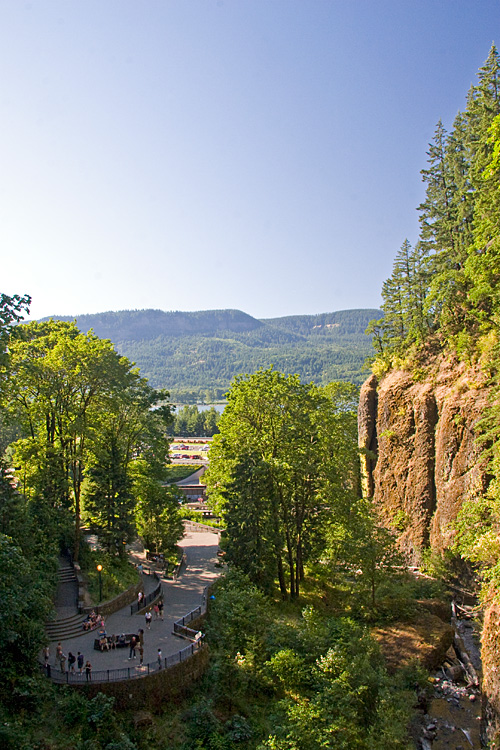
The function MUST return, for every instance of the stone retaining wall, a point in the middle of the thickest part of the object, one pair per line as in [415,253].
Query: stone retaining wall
[152,691]
[113,605]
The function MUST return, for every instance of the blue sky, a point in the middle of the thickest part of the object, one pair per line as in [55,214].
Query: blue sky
[263,155]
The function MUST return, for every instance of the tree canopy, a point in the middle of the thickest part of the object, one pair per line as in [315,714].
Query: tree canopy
[446,286]
[285,459]
[85,415]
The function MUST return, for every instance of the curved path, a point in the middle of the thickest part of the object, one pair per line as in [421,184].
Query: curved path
[180,597]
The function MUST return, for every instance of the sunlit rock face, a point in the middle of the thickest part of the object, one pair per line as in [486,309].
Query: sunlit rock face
[422,429]
[420,461]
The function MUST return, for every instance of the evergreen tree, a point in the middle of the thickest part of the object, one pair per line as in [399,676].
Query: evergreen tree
[441,285]
[404,293]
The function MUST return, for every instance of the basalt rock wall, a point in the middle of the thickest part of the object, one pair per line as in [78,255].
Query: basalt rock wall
[420,461]
[420,457]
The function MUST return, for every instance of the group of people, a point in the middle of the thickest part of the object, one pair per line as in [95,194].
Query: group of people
[157,609]
[158,613]
[60,659]
[93,620]
[137,646]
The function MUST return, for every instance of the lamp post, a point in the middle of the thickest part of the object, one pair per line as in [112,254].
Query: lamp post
[99,570]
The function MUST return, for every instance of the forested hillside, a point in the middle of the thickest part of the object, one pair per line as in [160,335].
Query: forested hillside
[429,415]
[196,354]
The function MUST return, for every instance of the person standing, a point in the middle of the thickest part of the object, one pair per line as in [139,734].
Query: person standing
[159,658]
[133,643]
[156,611]
[79,661]
[88,671]
[59,652]
[71,661]
[160,608]
[62,662]
[148,617]
[46,655]
[141,654]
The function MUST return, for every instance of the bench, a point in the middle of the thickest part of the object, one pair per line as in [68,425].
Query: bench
[118,644]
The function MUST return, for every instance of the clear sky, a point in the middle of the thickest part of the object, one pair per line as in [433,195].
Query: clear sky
[263,155]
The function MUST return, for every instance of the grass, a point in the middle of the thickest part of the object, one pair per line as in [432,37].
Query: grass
[117,574]
[177,472]
[197,517]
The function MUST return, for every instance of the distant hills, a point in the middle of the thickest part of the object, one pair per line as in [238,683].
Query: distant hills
[195,355]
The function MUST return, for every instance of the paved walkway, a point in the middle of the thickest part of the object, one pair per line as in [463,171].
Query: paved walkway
[180,597]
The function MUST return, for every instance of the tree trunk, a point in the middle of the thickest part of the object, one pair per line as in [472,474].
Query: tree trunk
[291,565]
[281,578]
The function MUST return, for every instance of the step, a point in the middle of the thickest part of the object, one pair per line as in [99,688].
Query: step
[66,578]
[68,622]
[64,629]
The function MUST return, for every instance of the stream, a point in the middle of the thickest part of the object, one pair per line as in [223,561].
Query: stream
[451,717]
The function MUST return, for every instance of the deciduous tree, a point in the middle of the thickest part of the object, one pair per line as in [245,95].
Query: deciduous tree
[284,456]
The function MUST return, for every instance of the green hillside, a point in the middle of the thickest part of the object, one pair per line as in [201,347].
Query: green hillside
[196,354]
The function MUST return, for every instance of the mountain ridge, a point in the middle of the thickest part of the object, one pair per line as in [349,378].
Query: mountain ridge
[195,355]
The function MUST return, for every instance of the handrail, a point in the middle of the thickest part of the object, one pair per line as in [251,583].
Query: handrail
[146,600]
[136,672]
[185,632]
[126,673]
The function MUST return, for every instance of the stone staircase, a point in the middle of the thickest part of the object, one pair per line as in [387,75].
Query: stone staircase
[68,622]
[66,573]
[63,630]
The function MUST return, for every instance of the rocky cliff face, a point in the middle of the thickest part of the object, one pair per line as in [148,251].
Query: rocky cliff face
[420,461]
[420,456]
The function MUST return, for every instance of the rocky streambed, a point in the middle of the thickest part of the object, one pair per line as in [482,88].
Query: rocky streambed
[451,707]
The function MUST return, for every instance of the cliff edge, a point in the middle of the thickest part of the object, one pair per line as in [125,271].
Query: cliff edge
[420,457]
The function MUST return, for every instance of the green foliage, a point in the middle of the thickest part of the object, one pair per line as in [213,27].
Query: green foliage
[368,554]
[189,421]
[238,615]
[404,295]
[321,679]
[201,722]
[28,567]
[12,311]
[117,573]
[196,355]
[86,415]
[346,706]
[449,282]
[285,457]
[23,607]
[158,516]
[197,516]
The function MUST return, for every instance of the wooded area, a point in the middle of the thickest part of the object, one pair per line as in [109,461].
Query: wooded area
[196,355]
